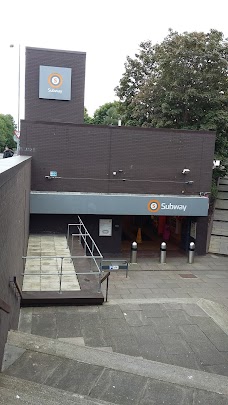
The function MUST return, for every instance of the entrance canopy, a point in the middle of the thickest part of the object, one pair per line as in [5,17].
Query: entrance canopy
[117,204]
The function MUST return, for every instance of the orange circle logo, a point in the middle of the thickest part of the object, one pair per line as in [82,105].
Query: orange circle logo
[154,205]
[55,80]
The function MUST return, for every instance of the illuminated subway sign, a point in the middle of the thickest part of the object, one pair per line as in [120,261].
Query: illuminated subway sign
[155,206]
[55,83]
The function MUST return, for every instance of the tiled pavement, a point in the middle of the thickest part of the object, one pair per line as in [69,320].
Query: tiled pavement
[206,278]
[158,313]
[211,285]
[181,334]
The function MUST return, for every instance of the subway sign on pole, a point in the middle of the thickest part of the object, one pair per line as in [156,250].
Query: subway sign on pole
[55,83]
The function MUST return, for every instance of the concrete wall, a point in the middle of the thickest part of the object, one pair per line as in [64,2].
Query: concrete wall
[15,176]
[54,110]
[146,161]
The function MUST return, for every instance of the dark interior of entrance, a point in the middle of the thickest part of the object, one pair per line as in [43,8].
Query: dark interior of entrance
[149,231]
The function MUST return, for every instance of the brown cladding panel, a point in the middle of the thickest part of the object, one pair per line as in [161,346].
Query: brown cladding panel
[118,160]
[54,110]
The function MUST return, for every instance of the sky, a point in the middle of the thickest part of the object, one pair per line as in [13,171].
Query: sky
[107,31]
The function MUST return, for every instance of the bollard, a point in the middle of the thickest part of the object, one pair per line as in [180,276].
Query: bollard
[191,253]
[134,248]
[163,253]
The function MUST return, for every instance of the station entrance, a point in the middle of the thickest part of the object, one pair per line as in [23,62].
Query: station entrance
[150,231]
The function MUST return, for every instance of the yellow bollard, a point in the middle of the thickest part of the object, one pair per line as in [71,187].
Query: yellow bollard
[139,236]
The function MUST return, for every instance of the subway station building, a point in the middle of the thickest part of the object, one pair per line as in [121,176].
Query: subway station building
[126,183]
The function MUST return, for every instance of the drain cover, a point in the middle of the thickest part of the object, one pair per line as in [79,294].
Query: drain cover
[187,275]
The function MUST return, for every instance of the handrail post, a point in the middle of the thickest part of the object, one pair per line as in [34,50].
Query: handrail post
[85,244]
[60,279]
[72,242]
[68,234]
[99,285]
[80,232]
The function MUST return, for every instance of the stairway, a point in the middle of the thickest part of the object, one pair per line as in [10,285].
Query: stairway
[17,391]
[219,234]
[44,371]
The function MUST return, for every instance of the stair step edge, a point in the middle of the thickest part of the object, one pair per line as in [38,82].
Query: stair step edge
[29,391]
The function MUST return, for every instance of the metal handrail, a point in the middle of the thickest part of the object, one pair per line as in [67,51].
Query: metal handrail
[4,306]
[79,225]
[17,286]
[60,273]
[60,257]
[83,233]
[65,274]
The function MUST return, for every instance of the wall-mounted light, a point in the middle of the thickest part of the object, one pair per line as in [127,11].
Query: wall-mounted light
[189,182]
[204,193]
[185,171]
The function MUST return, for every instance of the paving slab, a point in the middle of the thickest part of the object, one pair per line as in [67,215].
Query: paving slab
[206,398]
[120,388]
[189,360]
[159,392]
[179,317]
[75,376]
[11,354]
[44,325]
[153,310]
[68,325]
[207,353]
[34,366]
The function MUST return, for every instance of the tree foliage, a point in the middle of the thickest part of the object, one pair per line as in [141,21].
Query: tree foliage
[7,128]
[180,83]
[87,118]
[107,114]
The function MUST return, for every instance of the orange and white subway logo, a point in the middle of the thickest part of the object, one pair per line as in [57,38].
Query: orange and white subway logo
[154,205]
[55,80]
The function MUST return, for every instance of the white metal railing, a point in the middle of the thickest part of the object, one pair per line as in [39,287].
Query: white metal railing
[90,247]
[83,234]
[60,273]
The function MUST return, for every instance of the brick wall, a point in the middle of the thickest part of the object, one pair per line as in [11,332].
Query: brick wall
[14,226]
[148,161]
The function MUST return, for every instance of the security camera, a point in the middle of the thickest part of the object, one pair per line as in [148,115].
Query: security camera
[185,171]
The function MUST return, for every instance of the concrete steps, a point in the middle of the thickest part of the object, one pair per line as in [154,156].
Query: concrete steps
[16,391]
[219,234]
[77,374]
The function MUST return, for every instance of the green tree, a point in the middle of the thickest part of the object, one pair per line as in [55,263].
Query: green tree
[7,128]
[179,83]
[107,114]
[87,118]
